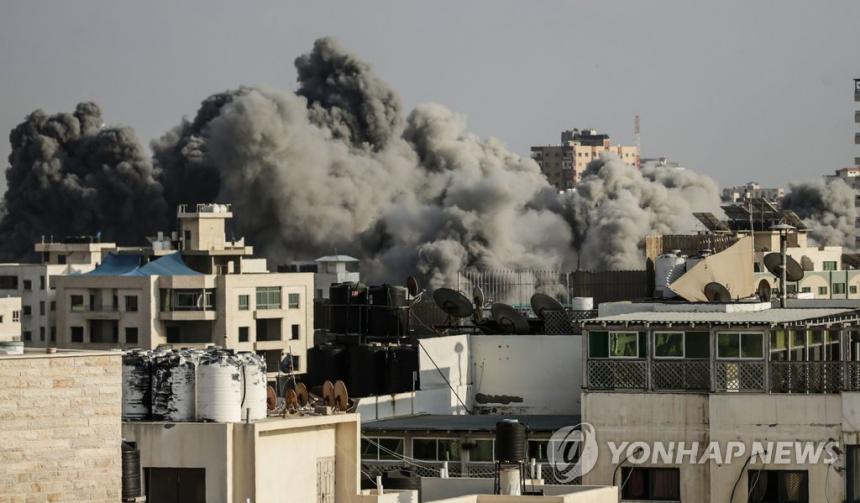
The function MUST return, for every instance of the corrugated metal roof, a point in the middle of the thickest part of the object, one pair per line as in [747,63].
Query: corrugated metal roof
[480,422]
[336,258]
[766,316]
[129,265]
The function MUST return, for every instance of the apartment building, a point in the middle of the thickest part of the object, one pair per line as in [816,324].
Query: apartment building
[719,373]
[10,319]
[752,190]
[193,289]
[32,283]
[564,164]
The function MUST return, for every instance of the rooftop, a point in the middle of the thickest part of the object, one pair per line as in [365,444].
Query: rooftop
[30,353]
[760,317]
[484,422]
[336,258]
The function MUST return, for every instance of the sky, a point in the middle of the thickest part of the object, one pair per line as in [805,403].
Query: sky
[738,90]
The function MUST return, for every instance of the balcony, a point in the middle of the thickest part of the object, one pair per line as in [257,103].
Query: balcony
[474,469]
[187,315]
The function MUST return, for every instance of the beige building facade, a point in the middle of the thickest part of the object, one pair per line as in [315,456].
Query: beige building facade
[60,426]
[564,164]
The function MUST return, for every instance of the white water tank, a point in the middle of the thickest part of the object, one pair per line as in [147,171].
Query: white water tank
[667,268]
[173,380]
[219,387]
[136,385]
[253,405]
[582,303]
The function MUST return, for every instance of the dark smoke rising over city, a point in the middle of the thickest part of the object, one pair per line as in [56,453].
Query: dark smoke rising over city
[339,165]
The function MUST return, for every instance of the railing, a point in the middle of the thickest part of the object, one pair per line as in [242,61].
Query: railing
[807,377]
[681,375]
[739,375]
[455,469]
[618,374]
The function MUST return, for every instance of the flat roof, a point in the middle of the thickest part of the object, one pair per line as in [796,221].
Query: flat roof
[480,422]
[30,352]
[766,316]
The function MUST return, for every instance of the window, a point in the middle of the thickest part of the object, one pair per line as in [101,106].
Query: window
[41,308]
[806,289]
[838,288]
[131,335]
[295,334]
[681,345]
[739,345]
[53,305]
[822,290]
[623,344]
[131,303]
[53,334]
[77,334]
[27,310]
[481,450]
[187,299]
[42,334]
[382,448]
[297,363]
[852,289]
[41,282]
[852,479]
[651,484]
[27,335]
[243,334]
[16,316]
[8,282]
[187,236]
[829,265]
[293,301]
[244,302]
[436,449]
[538,450]
[76,303]
[778,486]
[61,259]
[268,297]
[28,285]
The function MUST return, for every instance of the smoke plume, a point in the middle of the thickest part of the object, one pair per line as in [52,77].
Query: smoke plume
[69,175]
[337,165]
[827,208]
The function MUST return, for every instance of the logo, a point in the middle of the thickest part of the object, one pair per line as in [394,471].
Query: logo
[572,451]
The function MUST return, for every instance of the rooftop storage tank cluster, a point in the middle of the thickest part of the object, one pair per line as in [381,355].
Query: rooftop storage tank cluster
[193,385]
[368,369]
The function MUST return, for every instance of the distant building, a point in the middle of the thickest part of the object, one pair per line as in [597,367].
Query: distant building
[196,290]
[752,190]
[10,319]
[856,120]
[564,164]
[327,271]
[31,282]
[851,176]
[60,426]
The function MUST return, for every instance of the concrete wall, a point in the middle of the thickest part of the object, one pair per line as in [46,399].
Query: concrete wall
[60,427]
[473,490]
[506,379]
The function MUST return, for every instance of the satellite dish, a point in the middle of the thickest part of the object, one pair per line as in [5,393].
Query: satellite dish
[412,286]
[716,292]
[806,263]
[271,398]
[764,290]
[542,302]
[773,263]
[302,394]
[454,303]
[509,319]
[341,397]
[328,393]
[292,399]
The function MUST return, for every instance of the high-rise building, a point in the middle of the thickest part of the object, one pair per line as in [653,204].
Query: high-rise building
[564,164]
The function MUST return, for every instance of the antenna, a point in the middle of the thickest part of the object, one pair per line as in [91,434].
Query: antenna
[453,303]
[717,292]
[509,319]
[636,135]
[543,303]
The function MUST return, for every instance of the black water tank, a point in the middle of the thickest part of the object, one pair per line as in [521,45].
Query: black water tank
[388,314]
[130,472]
[348,308]
[326,362]
[368,368]
[402,365]
[510,441]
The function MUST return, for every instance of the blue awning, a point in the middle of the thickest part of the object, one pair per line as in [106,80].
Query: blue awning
[130,265]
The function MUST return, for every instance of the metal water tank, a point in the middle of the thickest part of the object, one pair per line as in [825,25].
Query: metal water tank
[582,303]
[387,315]
[130,465]
[367,369]
[136,385]
[327,362]
[348,305]
[667,268]
[219,387]
[402,368]
[253,405]
[510,441]
[173,381]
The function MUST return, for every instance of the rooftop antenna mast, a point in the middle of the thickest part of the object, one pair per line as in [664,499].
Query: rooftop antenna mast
[636,135]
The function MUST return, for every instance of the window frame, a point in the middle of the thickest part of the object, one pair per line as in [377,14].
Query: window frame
[269,294]
[612,333]
[626,471]
[297,296]
[740,334]
[670,332]
[247,299]
[126,304]
[376,443]
[436,444]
